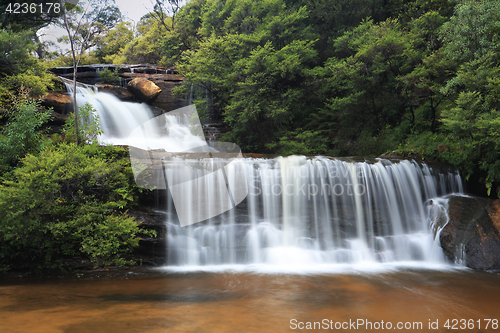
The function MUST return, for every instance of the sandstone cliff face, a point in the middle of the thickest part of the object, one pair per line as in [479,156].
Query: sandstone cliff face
[473,232]
[60,102]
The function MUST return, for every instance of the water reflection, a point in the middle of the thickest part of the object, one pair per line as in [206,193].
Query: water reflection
[156,301]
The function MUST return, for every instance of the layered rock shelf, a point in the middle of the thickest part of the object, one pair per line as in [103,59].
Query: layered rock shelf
[165,78]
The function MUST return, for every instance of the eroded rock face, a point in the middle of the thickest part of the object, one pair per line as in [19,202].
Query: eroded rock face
[474,230]
[144,90]
[167,100]
[58,119]
[148,246]
[58,101]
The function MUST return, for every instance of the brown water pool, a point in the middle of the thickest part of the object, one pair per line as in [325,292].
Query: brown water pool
[158,301]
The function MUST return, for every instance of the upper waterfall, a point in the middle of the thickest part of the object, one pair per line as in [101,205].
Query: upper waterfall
[118,120]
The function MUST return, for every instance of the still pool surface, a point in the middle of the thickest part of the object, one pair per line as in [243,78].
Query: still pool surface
[162,301]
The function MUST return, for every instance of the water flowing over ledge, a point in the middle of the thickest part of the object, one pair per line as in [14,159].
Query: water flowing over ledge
[300,214]
[315,214]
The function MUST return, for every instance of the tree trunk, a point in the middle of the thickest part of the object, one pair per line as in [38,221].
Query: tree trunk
[75,107]
[75,68]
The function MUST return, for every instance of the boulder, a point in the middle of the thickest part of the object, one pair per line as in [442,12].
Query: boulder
[472,233]
[58,101]
[144,90]
[117,91]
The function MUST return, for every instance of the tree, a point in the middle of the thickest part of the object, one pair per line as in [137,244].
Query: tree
[255,63]
[18,67]
[474,123]
[423,85]
[68,201]
[164,9]
[147,46]
[37,15]
[362,82]
[473,30]
[111,45]
[30,15]
[82,26]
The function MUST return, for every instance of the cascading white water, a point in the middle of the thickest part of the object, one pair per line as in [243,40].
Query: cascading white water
[300,212]
[118,120]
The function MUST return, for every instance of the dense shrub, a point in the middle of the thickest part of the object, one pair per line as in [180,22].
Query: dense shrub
[69,201]
[21,135]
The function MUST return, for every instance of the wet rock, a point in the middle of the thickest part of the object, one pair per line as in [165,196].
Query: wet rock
[152,248]
[494,213]
[120,92]
[144,90]
[473,232]
[58,101]
[166,99]
[58,119]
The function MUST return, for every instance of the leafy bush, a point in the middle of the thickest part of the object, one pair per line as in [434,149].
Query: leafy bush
[88,128]
[69,201]
[22,135]
[300,142]
[18,67]
[110,77]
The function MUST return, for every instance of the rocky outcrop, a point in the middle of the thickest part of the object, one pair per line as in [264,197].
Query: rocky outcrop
[58,119]
[166,100]
[117,91]
[58,101]
[473,232]
[153,77]
[144,90]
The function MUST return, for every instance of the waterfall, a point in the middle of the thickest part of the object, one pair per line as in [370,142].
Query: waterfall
[118,120]
[315,211]
[299,212]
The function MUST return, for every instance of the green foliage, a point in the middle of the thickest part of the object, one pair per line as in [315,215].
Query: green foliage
[68,202]
[89,128]
[111,45]
[145,48]
[21,135]
[361,86]
[110,77]
[473,30]
[475,120]
[87,22]
[34,19]
[18,67]
[256,68]
[300,142]
[15,51]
